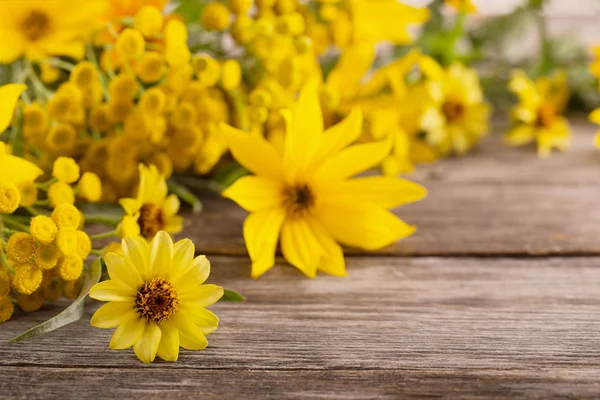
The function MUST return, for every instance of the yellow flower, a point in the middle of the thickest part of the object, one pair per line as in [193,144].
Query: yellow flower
[60,193]
[466,6]
[538,115]
[306,198]
[66,170]
[66,216]
[130,44]
[29,193]
[156,298]
[10,197]
[153,208]
[43,229]
[148,20]
[39,28]
[215,17]
[231,74]
[6,308]
[20,247]
[70,267]
[27,279]
[457,116]
[595,118]
[90,187]
[30,302]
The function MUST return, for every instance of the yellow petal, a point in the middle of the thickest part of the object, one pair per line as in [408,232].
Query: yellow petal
[352,65]
[353,160]
[203,296]
[342,134]
[161,255]
[190,336]
[9,54]
[131,206]
[597,140]
[168,348]
[112,314]
[194,277]
[111,291]
[128,333]
[254,193]
[362,225]
[595,116]
[305,135]
[261,231]
[171,205]
[332,258]
[122,271]
[146,347]
[17,170]
[254,153]
[204,319]
[379,191]
[183,257]
[9,94]
[174,224]
[300,246]
[520,135]
[136,249]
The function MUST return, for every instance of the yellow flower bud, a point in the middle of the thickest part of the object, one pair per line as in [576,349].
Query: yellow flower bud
[67,241]
[130,44]
[242,29]
[6,308]
[50,73]
[66,170]
[27,279]
[184,115]
[9,198]
[153,101]
[84,75]
[123,87]
[207,69]
[90,187]
[163,164]
[99,119]
[70,267]
[60,193]
[240,6]
[20,247]
[60,106]
[35,119]
[66,216]
[151,67]
[43,229]
[231,74]
[148,21]
[61,138]
[84,244]
[215,17]
[30,303]
[46,256]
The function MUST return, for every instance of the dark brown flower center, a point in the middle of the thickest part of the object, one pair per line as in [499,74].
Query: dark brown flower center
[152,219]
[298,199]
[36,25]
[156,300]
[453,110]
[545,116]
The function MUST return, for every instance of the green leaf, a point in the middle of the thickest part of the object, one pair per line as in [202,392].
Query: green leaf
[71,314]
[232,295]
[184,194]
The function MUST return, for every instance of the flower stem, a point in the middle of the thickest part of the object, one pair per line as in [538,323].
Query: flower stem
[103,235]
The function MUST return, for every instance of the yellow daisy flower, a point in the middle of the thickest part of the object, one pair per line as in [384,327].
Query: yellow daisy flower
[538,115]
[153,209]
[305,196]
[39,28]
[457,116]
[156,298]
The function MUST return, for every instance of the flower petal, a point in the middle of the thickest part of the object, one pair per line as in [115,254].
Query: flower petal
[122,271]
[111,291]
[203,296]
[204,319]
[161,255]
[146,347]
[353,160]
[253,152]
[254,193]
[342,134]
[128,333]
[194,277]
[332,257]
[261,231]
[190,336]
[168,348]
[131,206]
[299,246]
[112,314]
[9,94]
[363,225]
[136,249]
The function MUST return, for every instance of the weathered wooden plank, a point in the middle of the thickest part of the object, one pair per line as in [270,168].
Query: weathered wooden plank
[525,318]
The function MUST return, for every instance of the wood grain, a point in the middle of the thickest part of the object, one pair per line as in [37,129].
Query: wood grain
[495,326]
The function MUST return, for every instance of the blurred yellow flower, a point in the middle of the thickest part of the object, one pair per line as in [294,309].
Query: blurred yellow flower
[538,115]
[152,208]
[39,28]
[128,8]
[305,196]
[466,6]
[156,298]
[456,116]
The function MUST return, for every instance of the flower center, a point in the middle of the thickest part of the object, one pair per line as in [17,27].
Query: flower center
[156,300]
[453,110]
[35,25]
[545,116]
[152,219]
[298,199]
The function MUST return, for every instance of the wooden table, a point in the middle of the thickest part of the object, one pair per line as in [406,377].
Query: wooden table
[496,295]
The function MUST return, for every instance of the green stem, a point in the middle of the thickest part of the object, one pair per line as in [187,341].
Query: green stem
[16,134]
[240,108]
[104,235]
[102,219]
[92,57]
[56,62]
[15,224]
[32,211]
[184,194]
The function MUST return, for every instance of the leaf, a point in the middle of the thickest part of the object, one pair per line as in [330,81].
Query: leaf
[70,314]
[232,295]
[185,195]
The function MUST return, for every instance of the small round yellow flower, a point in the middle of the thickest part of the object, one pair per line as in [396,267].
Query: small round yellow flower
[66,170]
[163,163]
[9,198]
[123,87]
[90,187]
[118,110]
[50,73]
[70,267]
[6,308]
[130,44]
[153,101]
[151,67]
[60,105]
[31,302]
[129,227]
[67,241]
[52,291]
[66,216]
[84,244]
[84,75]
[29,193]
[35,118]
[148,21]
[71,289]
[260,97]
[215,17]
[240,6]
[184,116]
[60,193]
[27,279]
[241,30]
[231,74]
[20,247]
[61,138]
[207,69]
[43,229]
[4,282]
[99,119]
[46,256]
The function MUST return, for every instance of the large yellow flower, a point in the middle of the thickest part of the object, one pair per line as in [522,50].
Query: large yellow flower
[39,28]
[538,115]
[156,298]
[457,116]
[305,196]
[153,209]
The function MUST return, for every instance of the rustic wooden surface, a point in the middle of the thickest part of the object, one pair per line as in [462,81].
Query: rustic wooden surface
[495,296]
